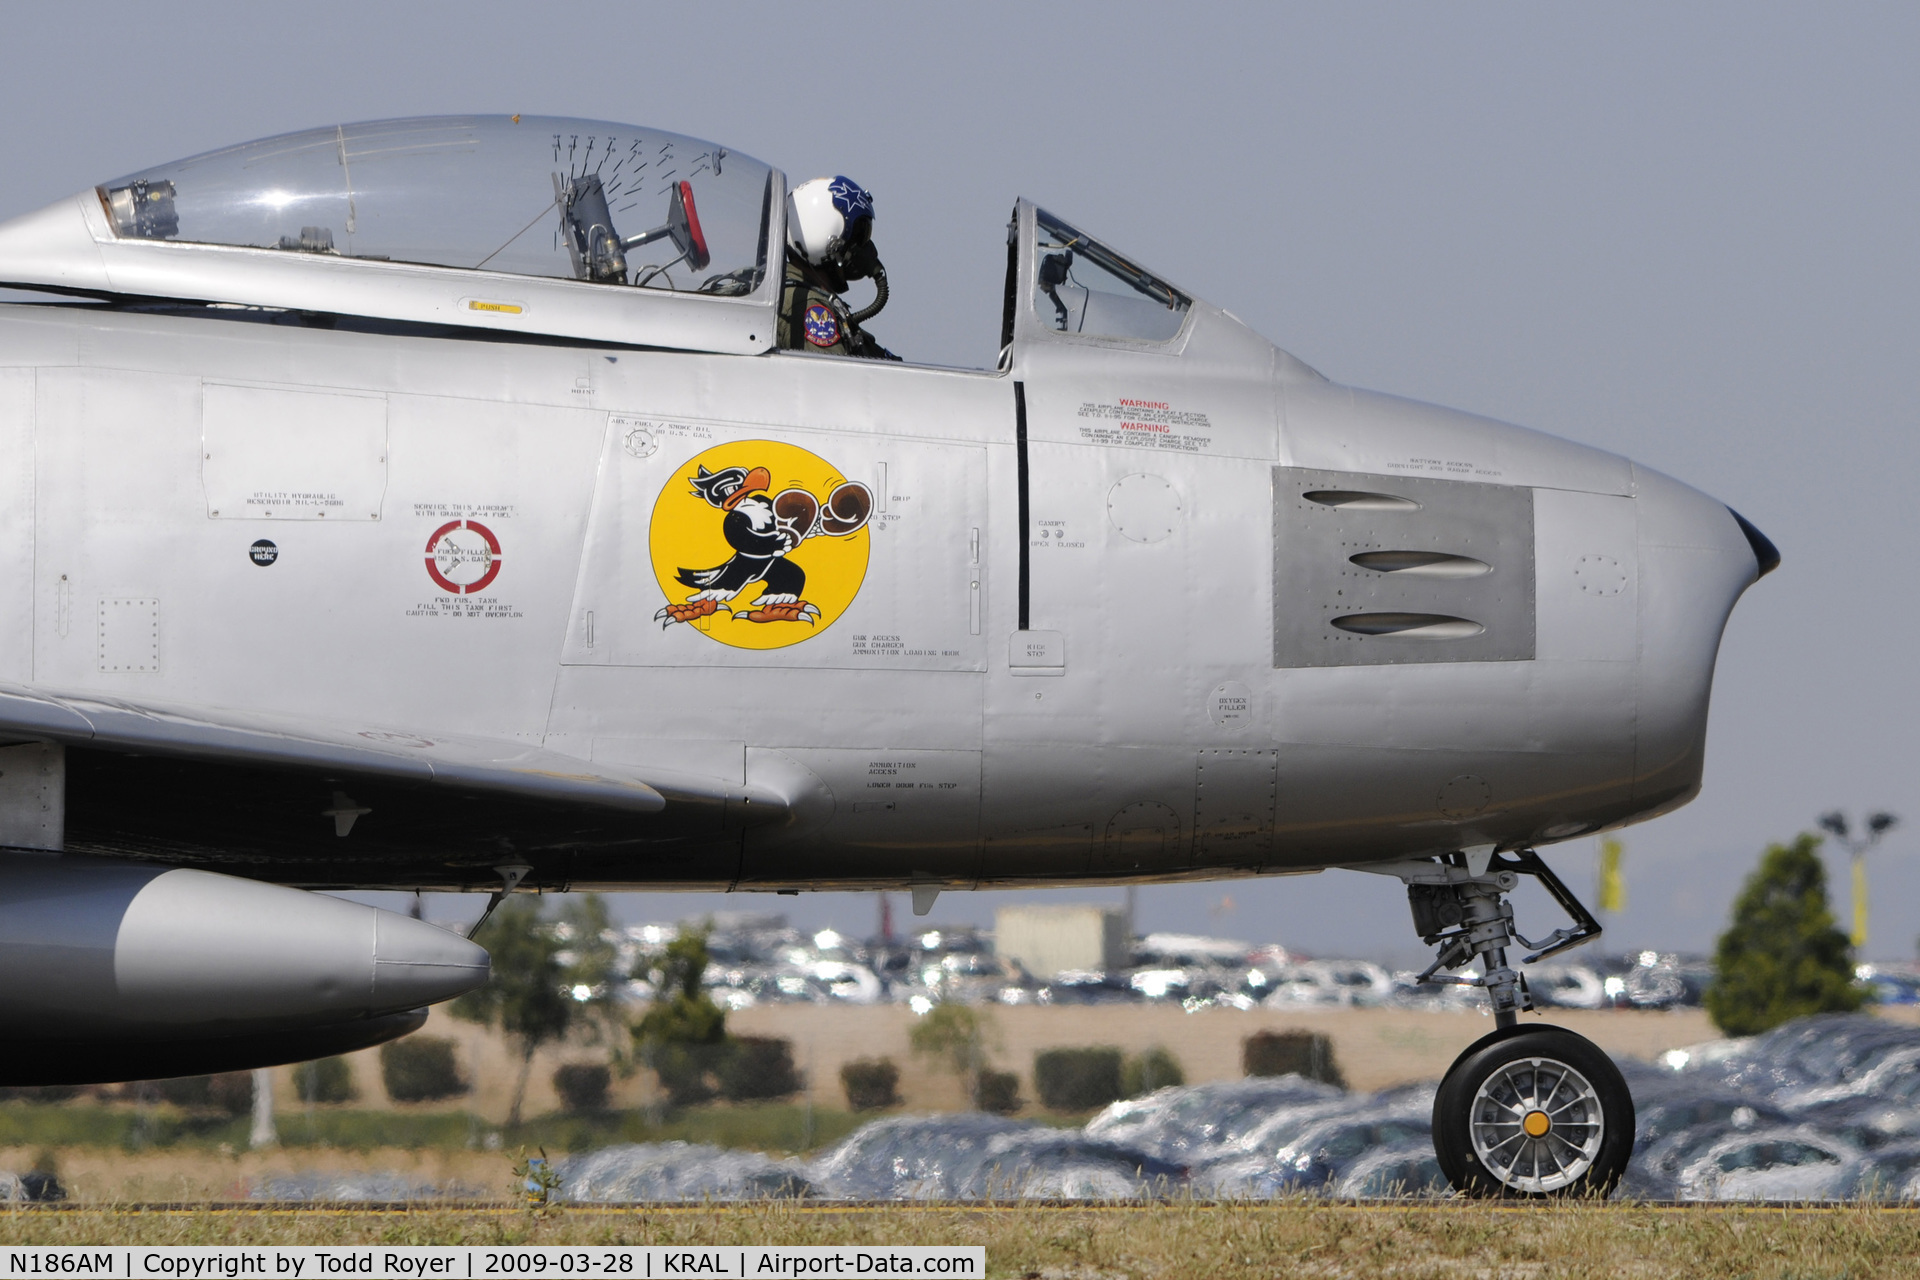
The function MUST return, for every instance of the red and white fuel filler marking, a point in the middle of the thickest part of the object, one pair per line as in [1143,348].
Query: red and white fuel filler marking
[463,556]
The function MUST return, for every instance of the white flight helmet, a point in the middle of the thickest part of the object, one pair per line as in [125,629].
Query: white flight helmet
[828,216]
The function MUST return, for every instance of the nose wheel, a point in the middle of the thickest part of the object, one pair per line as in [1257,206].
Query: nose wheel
[1528,1111]
[1531,1112]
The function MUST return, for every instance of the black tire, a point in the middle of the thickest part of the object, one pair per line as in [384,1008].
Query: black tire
[1588,1117]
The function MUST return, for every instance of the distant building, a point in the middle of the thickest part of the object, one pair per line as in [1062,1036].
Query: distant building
[1045,940]
[1191,950]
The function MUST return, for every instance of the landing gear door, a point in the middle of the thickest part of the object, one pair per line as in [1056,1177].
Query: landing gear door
[722,544]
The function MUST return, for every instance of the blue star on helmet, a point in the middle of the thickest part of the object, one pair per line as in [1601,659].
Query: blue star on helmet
[850,199]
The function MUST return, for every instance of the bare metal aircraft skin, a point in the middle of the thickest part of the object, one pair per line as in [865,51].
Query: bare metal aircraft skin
[360,564]
[1195,692]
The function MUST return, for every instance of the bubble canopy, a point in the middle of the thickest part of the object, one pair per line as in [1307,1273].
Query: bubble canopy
[519,224]
[523,195]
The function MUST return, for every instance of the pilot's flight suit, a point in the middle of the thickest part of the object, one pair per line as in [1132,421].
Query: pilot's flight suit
[814,318]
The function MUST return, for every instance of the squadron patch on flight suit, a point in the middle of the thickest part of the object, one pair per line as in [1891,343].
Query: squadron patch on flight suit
[823,327]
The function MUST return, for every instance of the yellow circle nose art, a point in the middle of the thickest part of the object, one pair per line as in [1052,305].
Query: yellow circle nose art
[759,544]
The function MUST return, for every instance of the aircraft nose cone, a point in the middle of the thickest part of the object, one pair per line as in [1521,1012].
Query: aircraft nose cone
[416,963]
[1764,551]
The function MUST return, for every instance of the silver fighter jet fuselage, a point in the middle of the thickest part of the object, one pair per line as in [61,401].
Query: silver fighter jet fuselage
[1122,614]
[333,570]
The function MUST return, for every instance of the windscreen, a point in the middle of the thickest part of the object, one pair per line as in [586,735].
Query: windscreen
[1081,286]
[530,195]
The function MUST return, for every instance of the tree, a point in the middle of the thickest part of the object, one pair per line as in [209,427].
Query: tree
[683,1036]
[590,952]
[550,977]
[1782,957]
[959,1038]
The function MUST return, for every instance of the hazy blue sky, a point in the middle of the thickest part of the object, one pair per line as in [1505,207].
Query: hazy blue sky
[1683,233]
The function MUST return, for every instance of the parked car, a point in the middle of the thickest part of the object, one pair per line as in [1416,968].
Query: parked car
[1797,1163]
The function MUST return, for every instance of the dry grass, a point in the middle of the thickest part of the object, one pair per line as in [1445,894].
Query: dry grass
[1214,1242]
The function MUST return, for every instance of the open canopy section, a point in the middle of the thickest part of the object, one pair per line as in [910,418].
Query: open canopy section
[1082,286]
[546,196]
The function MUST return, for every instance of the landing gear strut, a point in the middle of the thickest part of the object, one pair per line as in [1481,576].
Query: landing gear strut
[1526,1111]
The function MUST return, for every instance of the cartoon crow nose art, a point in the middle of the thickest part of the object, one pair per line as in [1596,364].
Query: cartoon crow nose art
[764,533]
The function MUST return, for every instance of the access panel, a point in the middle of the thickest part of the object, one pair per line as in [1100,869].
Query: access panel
[1381,569]
[16,524]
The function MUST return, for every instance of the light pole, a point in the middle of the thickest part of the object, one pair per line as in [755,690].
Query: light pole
[1878,824]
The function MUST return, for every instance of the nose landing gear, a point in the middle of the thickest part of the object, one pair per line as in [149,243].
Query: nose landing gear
[1527,1111]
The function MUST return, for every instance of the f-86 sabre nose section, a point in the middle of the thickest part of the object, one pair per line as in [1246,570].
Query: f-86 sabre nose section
[1696,558]
[1516,632]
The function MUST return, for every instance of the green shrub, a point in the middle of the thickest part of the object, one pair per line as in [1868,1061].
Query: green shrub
[871,1084]
[582,1086]
[685,1070]
[1301,1053]
[40,1093]
[324,1080]
[758,1069]
[1782,957]
[420,1069]
[1145,1072]
[997,1092]
[1077,1079]
[187,1092]
[231,1092]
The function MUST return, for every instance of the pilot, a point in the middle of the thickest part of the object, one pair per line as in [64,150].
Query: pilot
[830,245]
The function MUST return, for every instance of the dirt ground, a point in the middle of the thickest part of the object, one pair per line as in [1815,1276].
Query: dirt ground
[1373,1047]
[102,1175]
